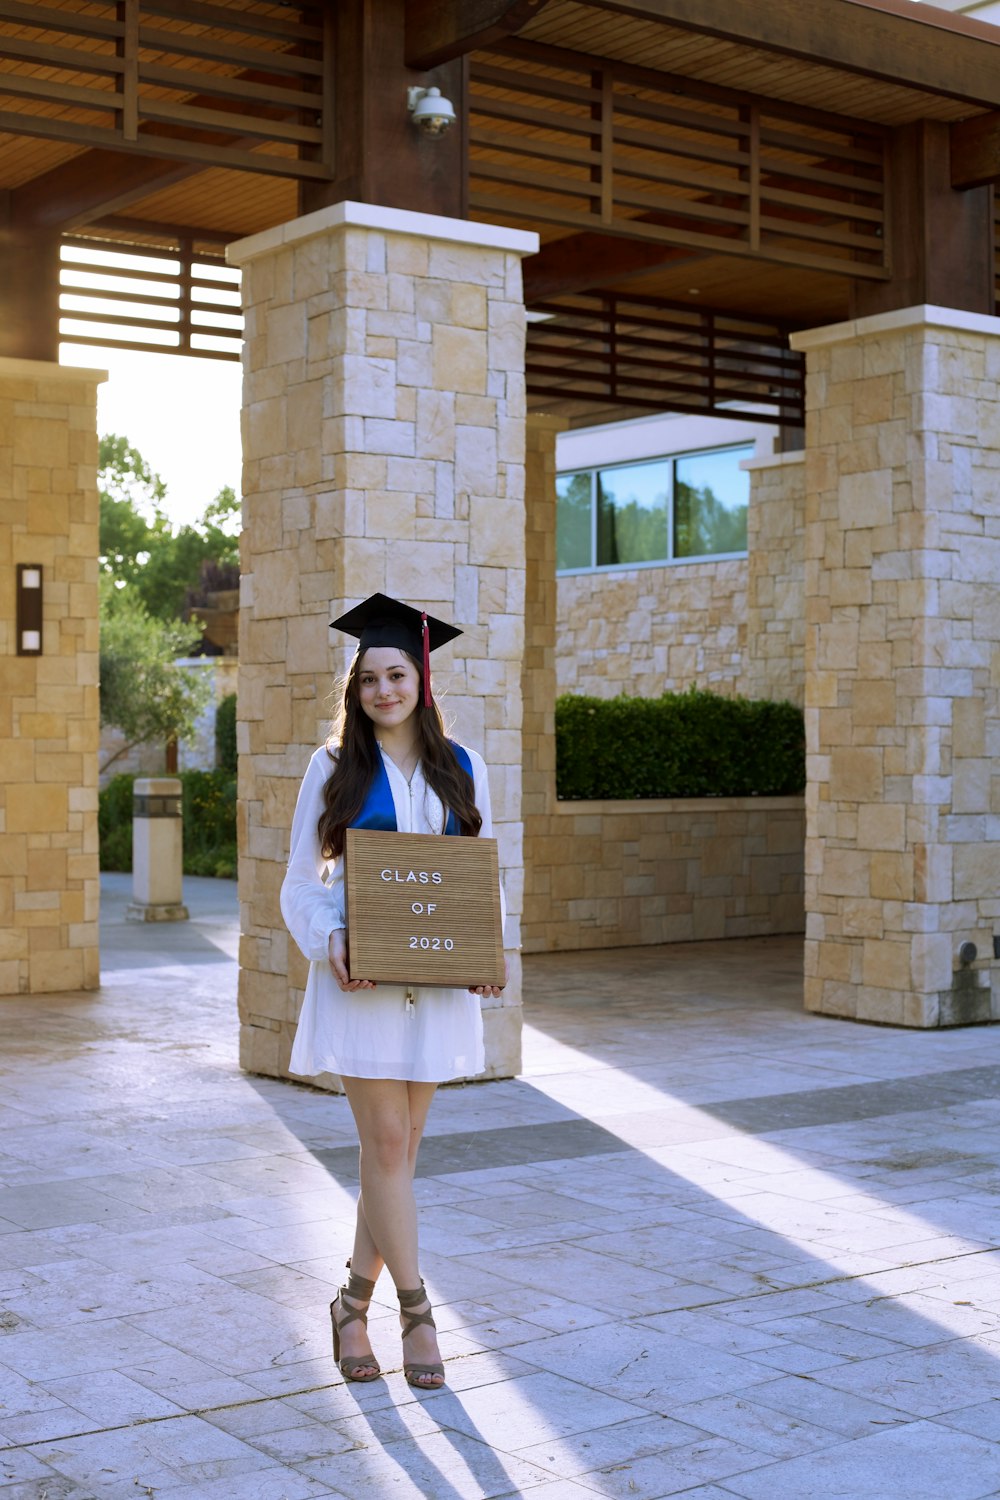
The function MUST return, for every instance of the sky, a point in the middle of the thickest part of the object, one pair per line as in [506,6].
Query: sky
[182,414]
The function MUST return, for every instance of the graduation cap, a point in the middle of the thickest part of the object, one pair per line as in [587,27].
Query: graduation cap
[382,621]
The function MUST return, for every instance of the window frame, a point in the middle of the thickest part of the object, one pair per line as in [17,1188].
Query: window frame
[670,561]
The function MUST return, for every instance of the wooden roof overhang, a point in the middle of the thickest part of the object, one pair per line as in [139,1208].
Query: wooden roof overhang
[678,154]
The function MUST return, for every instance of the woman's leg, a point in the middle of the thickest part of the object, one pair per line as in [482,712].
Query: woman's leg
[390,1115]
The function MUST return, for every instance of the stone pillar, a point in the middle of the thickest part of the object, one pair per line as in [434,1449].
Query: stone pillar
[903,665]
[383,432]
[538,676]
[49,719]
[774,660]
[157,851]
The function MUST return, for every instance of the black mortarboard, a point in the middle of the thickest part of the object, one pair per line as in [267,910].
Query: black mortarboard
[382,621]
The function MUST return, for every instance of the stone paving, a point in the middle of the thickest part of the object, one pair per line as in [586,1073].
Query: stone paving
[707,1245]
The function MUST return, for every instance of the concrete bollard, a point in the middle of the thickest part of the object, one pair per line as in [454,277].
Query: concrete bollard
[157,852]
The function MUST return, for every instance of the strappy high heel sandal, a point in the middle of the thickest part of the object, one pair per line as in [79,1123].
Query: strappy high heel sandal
[360,1289]
[412,1372]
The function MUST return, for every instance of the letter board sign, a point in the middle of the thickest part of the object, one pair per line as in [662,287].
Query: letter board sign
[423,908]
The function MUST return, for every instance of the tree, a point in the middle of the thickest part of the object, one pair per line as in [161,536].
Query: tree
[131,513]
[140,550]
[144,693]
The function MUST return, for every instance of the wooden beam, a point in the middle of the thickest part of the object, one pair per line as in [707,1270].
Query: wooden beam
[380,157]
[437,31]
[941,241]
[579,262]
[975,151]
[91,186]
[29,290]
[918,46]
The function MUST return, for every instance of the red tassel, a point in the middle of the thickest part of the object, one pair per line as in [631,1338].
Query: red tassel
[427,658]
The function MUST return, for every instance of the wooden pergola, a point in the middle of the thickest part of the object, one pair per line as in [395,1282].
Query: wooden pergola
[706,176]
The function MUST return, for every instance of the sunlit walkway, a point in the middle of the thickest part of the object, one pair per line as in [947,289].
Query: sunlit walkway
[706,1246]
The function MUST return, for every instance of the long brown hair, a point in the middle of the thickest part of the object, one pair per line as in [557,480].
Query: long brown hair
[355,757]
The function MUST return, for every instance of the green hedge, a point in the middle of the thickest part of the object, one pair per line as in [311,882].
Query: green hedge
[693,744]
[209,815]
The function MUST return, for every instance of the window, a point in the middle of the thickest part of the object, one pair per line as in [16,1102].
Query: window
[691,505]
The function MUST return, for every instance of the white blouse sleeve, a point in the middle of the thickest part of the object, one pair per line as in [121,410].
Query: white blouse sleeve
[482,793]
[312,909]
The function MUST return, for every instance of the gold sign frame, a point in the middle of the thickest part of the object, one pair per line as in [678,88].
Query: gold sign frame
[423,909]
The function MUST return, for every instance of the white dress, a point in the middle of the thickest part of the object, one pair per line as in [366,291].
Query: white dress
[373,1033]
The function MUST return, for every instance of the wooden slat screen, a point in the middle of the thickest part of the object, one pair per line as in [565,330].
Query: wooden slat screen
[996,245]
[179,300]
[213,84]
[566,139]
[655,355]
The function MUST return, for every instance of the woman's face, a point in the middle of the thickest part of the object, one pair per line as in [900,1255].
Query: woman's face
[388,686]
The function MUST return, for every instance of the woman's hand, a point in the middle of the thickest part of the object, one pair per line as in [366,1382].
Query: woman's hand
[338,964]
[491,991]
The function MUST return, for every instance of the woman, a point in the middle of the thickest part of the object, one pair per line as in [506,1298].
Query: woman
[391,1044]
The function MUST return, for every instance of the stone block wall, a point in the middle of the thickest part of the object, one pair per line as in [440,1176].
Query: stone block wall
[383,431]
[774,659]
[49,878]
[903,665]
[647,631]
[615,874]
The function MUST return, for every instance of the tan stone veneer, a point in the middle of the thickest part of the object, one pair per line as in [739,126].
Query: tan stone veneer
[647,631]
[383,433]
[49,878]
[616,874]
[902,664]
[774,658]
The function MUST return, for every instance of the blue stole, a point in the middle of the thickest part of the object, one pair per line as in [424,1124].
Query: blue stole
[379,811]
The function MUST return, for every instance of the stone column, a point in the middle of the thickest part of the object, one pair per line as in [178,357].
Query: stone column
[538,677]
[49,718]
[383,432]
[774,659]
[903,665]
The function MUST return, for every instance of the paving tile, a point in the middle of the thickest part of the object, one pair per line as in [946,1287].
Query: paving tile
[269,1482]
[531,1410]
[796,1359]
[822,1333]
[677,1470]
[53,1487]
[157,1454]
[53,1424]
[657,1371]
[440,1464]
[19,1396]
[237,1331]
[922,1461]
[82,1349]
[910,1319]
[805,1398]
[925,1382]
[19,1466]
[613,1285]
[560,1489]
[111,1399]
[188,1382]
[981,1420]
[762,1428]
[527,1305]
[586,1452]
